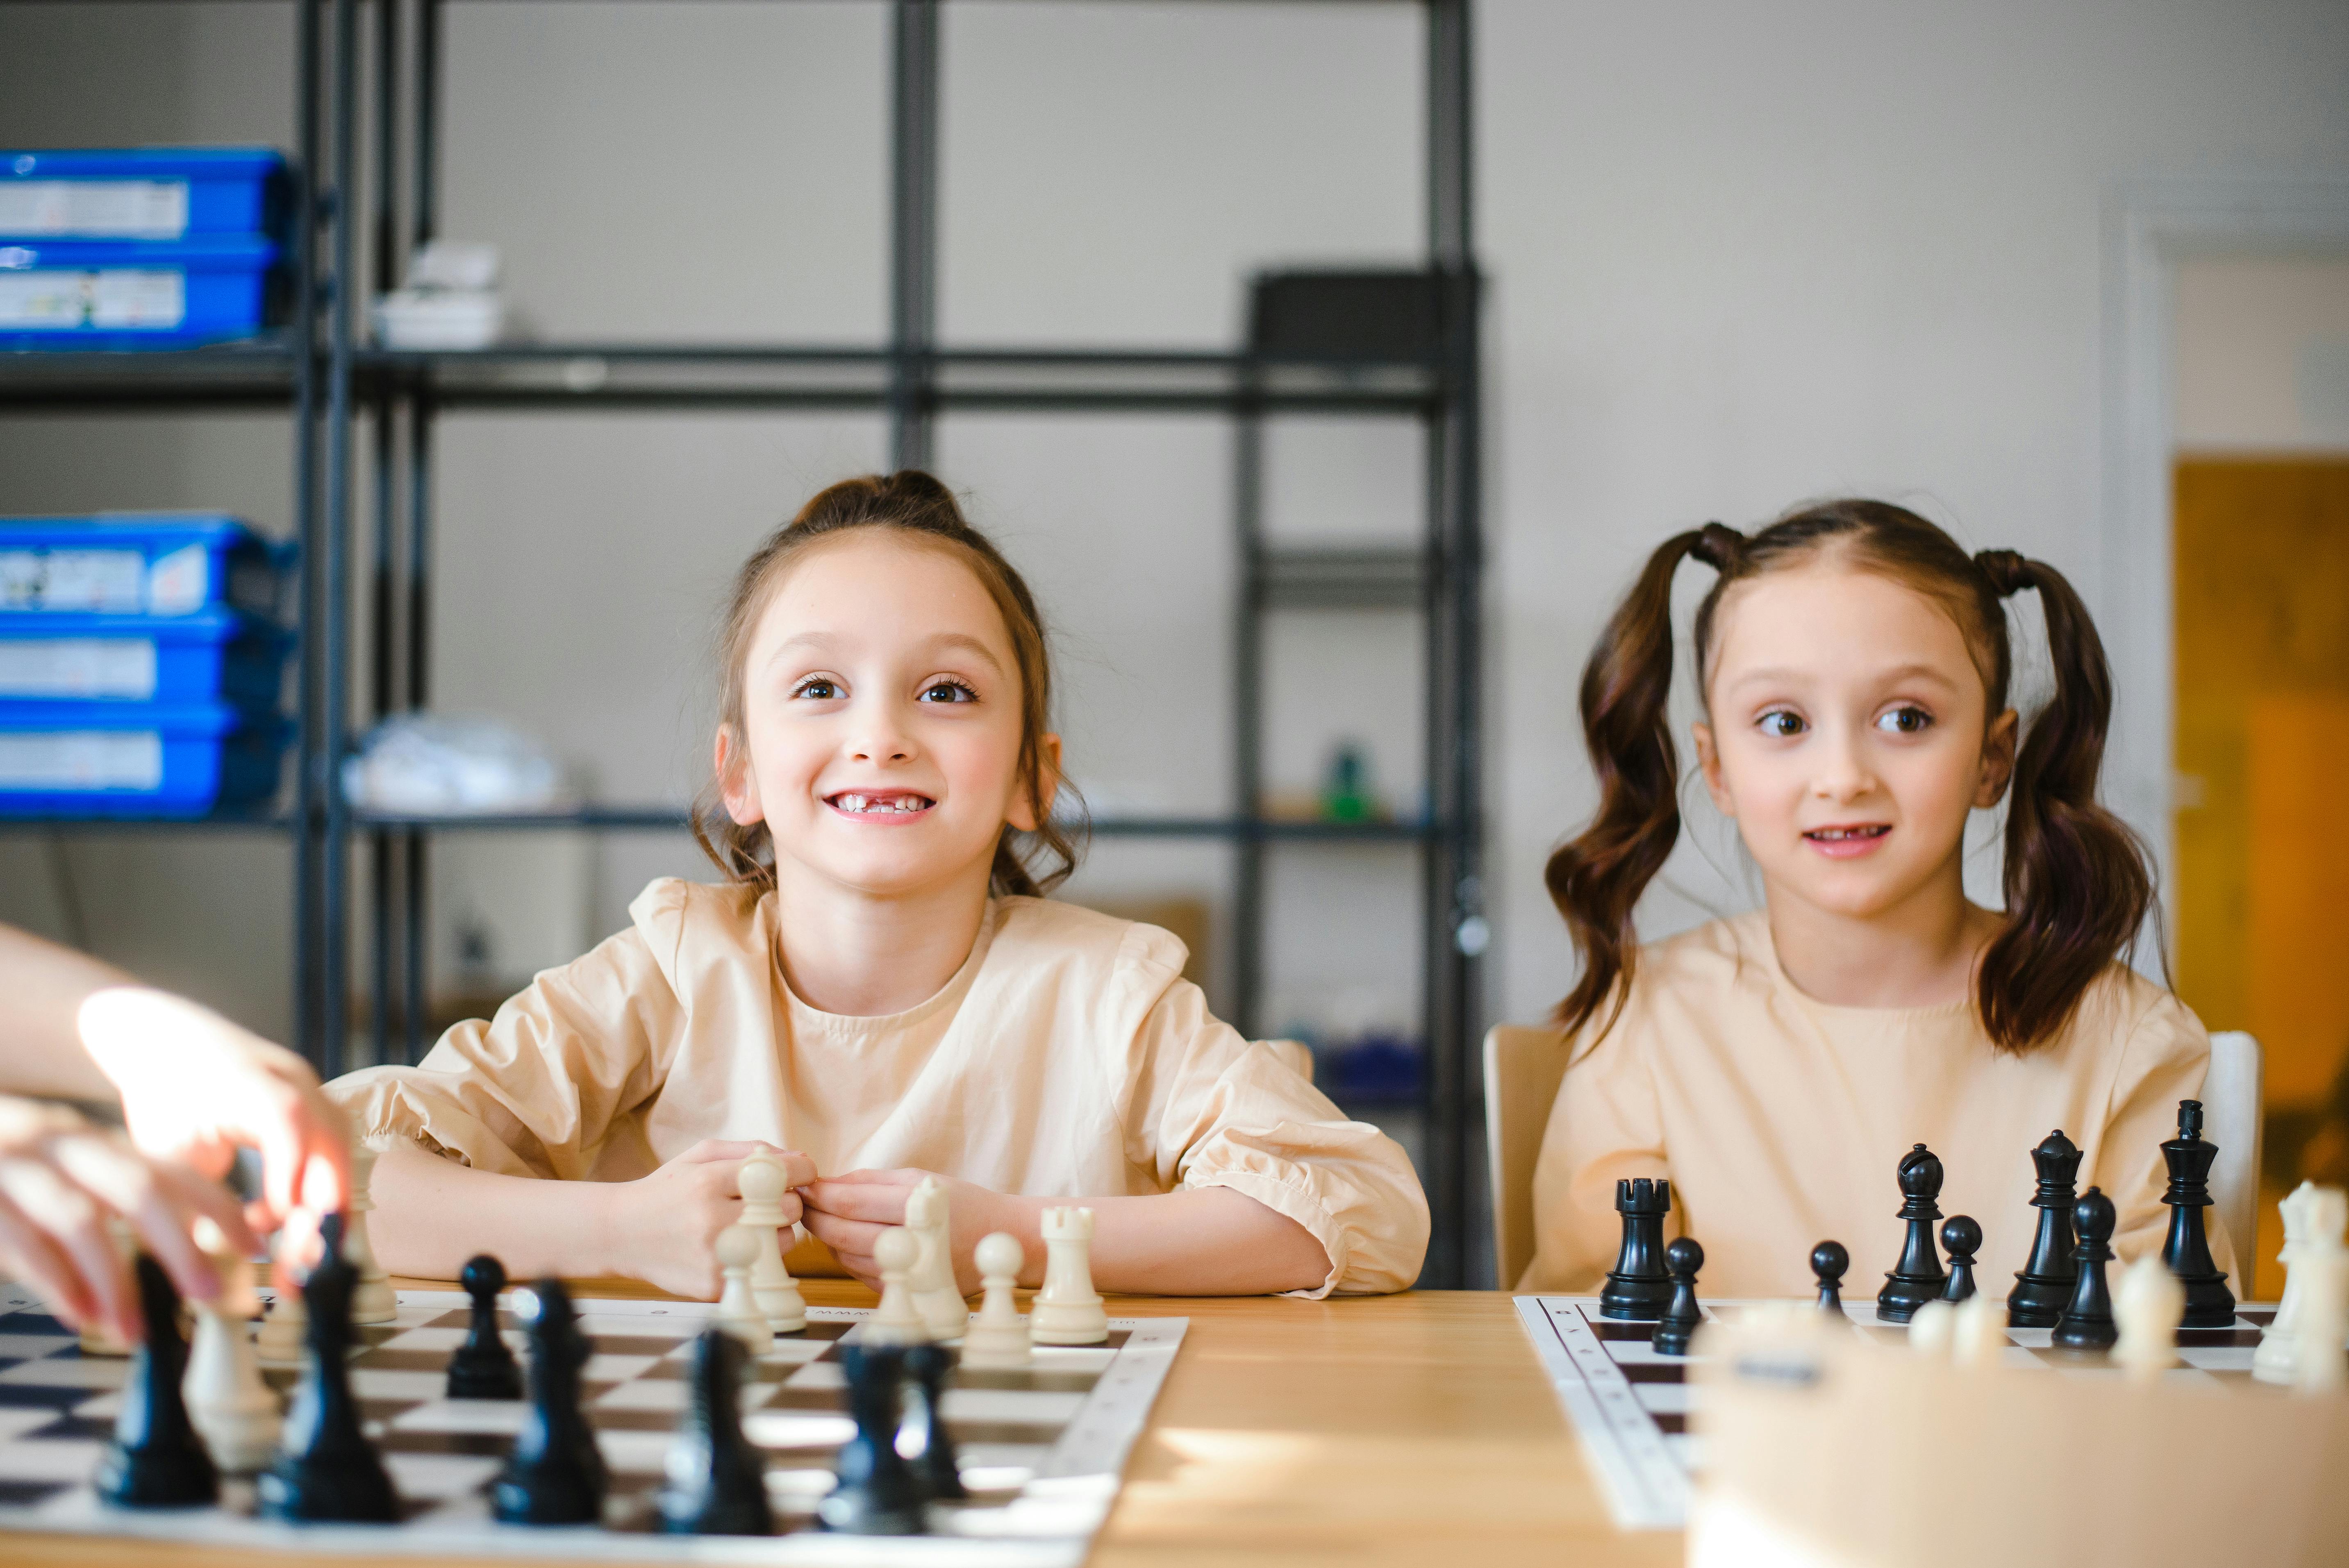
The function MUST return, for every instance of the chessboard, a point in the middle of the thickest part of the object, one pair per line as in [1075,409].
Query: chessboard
[1631,1405]
[1042,1449]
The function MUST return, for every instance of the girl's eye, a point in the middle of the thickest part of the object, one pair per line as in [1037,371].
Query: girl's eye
[1906,719]
[1781,724]
[948,691]
[817,688]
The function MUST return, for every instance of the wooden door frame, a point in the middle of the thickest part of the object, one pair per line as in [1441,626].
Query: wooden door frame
[2149,225]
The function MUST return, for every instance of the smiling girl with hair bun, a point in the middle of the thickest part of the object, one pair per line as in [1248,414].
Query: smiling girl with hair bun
[880,990]
[1853,666]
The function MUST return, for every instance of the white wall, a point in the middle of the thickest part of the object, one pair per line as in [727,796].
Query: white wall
[2263,354]
[1740,255]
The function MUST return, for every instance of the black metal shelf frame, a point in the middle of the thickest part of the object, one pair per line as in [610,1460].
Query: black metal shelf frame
[320,370]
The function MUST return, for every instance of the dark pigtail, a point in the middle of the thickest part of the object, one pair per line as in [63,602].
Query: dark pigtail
[2078,882]
[1596,878]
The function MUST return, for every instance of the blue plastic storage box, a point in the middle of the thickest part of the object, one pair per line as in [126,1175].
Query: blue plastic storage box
[135,760]
[212,655]
[144,193]
[138,294]
[136,563]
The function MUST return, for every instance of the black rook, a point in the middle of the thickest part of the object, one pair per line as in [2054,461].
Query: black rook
[1637,1286]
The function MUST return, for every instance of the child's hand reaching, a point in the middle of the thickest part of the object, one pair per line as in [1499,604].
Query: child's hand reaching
[848,1212]
[663,1228]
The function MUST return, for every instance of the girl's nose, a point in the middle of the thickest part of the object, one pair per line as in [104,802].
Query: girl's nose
[879,736]
[1843,774]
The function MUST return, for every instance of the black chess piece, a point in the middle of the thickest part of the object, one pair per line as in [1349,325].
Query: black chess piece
[878,1493]
[555,1474]
[1962,1238]
[328,1470]
[1637,1286]
[2186,1249]
[717,1479]
[156,1459]
[1916,1278]
[1682,1316]
[1828,1260]
[484,1366]
[928,1366]
[2045,1283]
[2087,1321]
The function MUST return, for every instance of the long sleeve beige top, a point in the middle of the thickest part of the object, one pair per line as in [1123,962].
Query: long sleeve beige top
[1781,1121]
[1066,1058]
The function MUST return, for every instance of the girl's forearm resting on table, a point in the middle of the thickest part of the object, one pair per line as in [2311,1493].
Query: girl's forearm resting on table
[431,1215]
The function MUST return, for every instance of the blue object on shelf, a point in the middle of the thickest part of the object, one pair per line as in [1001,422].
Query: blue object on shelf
[82,294]
[136,563]
[70,760]
[1377,1068]
[214,655]
[144,192]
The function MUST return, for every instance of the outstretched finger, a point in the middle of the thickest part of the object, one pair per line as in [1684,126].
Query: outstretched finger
[73,1222]
[29,1254]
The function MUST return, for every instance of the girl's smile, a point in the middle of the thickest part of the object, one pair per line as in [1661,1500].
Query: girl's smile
[1848,842]
[880,808]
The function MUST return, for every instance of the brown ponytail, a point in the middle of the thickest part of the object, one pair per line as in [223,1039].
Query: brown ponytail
[2078,882]
[916,505]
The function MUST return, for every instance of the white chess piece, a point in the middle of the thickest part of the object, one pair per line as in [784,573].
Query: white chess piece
[737,1305]
[2275,1361]
[2322,1277]
[230,1406]
[2149,1307]
[1933,1329]
[896,1321]
[1978,1332]
[998,1337]
[372,1301]
[97,1339]
[288,1324]
[1067,1311]
[763,1184]
[936,1297]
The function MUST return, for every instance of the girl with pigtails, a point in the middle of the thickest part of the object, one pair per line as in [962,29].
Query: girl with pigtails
[1853,666]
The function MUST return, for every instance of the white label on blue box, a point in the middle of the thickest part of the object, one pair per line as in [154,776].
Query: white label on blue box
[100,209]
[177,583]
[119,298]
[82,760]
[119,667]
[110,581]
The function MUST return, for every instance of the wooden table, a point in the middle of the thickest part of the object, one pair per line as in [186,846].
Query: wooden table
[1406,1430]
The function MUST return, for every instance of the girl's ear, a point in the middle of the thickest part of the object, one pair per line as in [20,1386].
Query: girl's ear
[1997,759]
[1709,759]
[738,787]
[1032,807]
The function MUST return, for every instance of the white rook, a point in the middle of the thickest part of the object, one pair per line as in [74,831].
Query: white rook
[1067,1310]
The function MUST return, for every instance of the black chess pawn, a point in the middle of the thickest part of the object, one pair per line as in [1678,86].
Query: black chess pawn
[1828,1261]
[555,1474]
[2186,1248]
[1682,1316]
[327,1471]
[928,1368]
[2087,1323]
[156,1459]
[877,1493]
[717,1479]
[484,1366]
[1637,1286]
[1918,1277]
[1963,1238]
[2045,1281]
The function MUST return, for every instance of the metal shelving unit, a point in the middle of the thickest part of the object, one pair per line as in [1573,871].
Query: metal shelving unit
[324,376]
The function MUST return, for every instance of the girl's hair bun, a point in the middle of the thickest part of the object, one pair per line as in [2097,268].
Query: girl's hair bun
[1719,546]
[2009,573]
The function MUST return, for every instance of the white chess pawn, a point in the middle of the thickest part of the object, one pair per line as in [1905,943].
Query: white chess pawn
[2275,1359]
[279,1343]
[372,1301]
[738,1306]
[896,1321]
[1067,1311]
[935,1295]
[998,1337]
[230,1406]
[763,1184]
[1978,1331]
[1933,1329]
[2149,1307]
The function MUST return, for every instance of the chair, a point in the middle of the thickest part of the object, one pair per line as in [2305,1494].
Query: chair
[1523,1067]
[2231,1120]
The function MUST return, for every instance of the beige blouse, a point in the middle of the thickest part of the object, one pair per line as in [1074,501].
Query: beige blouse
[1068,1057]
[1782,1121]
